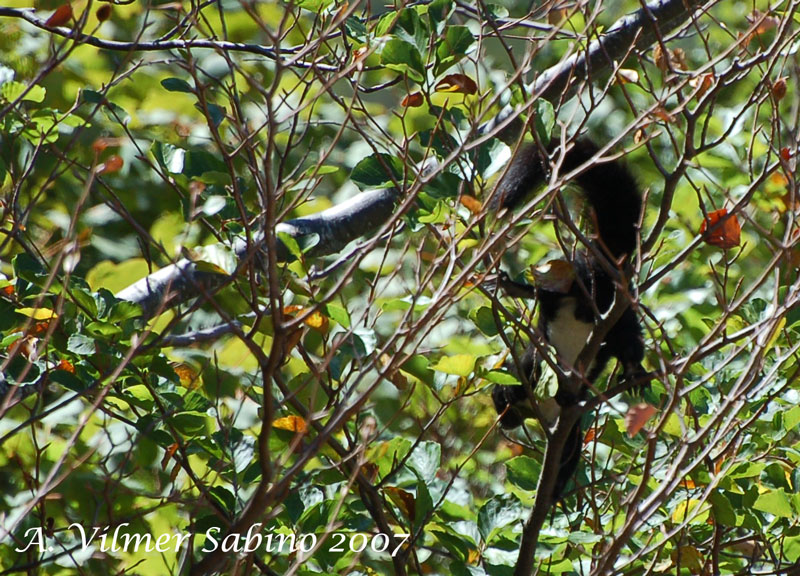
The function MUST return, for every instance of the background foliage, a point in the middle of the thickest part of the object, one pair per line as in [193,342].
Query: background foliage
[349,394]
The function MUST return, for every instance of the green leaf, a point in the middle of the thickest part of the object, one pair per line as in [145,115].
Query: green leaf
[426,461]
[791,418]
[418,366]
[403,57]
[224,498]
[124,310]
[498,512]
[86,301]
[10,91]
[423,504]
[775,502]
[169,157]
[338,314]
[103,329]
[114,277]
[484,320]
[386,455]
[81,345]
[523,472]
[177,85]
[189,423]
[459,364]
[215,113]
[723,510]
[454,46]
[298,245]
[501,377]
[377,171]
[215,258]
[315,6]
[544,119]
[139,395]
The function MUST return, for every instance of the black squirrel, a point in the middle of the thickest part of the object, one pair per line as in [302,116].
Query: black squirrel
[566,319]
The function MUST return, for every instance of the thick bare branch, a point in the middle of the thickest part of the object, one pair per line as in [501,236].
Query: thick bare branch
[334,228]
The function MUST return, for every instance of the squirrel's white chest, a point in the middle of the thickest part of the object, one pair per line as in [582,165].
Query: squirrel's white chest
[567,334]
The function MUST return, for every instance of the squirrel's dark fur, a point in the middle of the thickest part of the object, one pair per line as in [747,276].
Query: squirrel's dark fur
[566,319]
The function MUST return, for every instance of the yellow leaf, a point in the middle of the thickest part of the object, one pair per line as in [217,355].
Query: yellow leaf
[37,313]
[290,423]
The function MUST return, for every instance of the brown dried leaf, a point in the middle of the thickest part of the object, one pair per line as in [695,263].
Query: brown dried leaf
[778,89]
[459,83]
[403,500]
[103,13]
[702,83]
[414,100]
[637,417]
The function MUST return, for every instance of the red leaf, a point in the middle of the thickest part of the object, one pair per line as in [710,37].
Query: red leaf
[61,16]
[721,229]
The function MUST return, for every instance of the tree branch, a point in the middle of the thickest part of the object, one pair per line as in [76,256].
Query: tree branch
[29,16]
[334,227]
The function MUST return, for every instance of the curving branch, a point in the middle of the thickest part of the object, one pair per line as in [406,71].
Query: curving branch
[282,56]
[334,228]
[648,25]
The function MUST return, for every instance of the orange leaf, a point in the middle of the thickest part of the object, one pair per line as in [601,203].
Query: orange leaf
[637,417]
[702,83]
[291,310]
[113,164]
[61,16]
[66,366]
[8,290]
[457,83]
[290,423]
[102,143]
[104,12]
[168,454]
[414,100]
[39,328]
[721,230]
[471,203]
[186,374]
[591,433]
